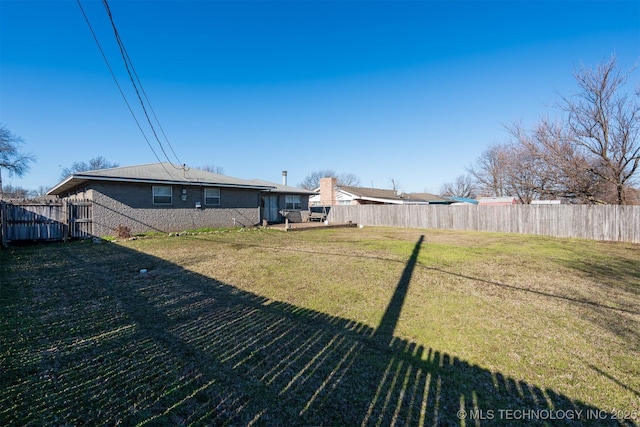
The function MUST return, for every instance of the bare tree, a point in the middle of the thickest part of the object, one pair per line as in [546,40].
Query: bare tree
[591,156]
[348,180]
[489,171]
[96,163]
[11,158]
[11,192]
[526,177]
[212,168]
[395,185]
[312,181]
[604,122]
[509,170]
[41,191]
[462,186]
[556,167]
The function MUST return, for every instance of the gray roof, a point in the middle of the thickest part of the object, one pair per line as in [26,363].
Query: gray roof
[279,188]
[370,193]
[157,173]
[428,197]
[391,196]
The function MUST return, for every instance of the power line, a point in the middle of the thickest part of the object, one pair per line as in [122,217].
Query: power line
[130,68]
[153,112]
[95,38]
[131,72]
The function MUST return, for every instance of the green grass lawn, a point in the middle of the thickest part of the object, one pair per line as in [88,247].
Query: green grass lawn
[348,327]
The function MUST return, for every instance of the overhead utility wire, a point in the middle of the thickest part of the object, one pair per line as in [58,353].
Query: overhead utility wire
[119,87]
[131,72]
[153,112]
[95,38]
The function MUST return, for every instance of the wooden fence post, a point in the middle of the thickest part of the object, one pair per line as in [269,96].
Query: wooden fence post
[3,225]
[66,229]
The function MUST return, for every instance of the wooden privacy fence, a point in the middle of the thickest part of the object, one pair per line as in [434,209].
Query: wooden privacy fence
[609,222]
[54,220]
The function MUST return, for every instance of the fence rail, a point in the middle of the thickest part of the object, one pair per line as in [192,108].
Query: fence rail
[54,220]
[608,223]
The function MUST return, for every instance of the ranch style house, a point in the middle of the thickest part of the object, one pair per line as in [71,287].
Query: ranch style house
[171,198]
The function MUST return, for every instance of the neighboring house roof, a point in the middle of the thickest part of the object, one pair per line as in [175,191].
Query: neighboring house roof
[379,195]
[391,196]
[285,189]
[546,202]
[431,198]
[156,173]
[461,200]
[372,194]
[508,200]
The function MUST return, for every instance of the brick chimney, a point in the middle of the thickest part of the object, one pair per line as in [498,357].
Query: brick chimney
[328,191]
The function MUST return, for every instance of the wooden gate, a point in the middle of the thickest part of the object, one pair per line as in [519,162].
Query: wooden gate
[45,221]
[80,219]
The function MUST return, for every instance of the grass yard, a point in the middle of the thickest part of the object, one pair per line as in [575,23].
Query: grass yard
[340,327]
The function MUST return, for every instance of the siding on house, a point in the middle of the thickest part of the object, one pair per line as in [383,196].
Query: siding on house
[132,205]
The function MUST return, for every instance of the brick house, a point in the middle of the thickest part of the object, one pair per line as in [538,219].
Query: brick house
[165,197]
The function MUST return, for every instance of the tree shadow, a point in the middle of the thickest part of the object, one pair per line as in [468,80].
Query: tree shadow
[98,345]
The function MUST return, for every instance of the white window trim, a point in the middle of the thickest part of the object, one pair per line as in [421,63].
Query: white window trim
[296,199]
[205,197]
[154,195]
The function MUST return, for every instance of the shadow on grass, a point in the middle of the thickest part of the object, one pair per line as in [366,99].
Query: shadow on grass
[619,275]
[389,321]
[616,272]
[621,278]
[607,316]
[88,340]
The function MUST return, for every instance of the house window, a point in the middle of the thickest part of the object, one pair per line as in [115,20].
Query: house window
[293,202]
[211,196]
[162,195]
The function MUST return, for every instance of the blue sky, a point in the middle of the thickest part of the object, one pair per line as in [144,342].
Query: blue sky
[412,91]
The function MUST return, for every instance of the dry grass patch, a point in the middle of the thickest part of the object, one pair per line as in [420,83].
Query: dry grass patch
[340,327]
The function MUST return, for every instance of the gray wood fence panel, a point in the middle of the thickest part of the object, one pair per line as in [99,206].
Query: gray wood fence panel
[609,223]
[33,221]
[80,220]
[26,221]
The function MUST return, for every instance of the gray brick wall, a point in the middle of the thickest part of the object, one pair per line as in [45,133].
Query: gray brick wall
[141,196]
[132,205]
